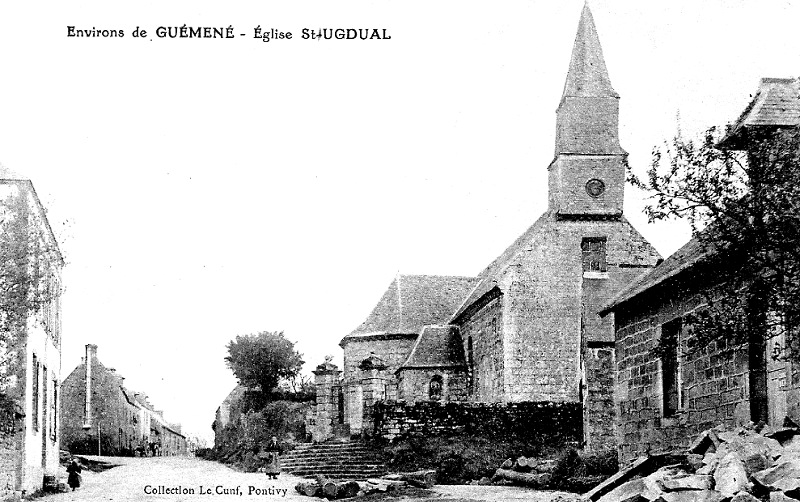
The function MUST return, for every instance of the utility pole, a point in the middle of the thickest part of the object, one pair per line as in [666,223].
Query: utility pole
[98,438]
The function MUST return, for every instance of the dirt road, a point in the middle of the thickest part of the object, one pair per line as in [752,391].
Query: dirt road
[190,479]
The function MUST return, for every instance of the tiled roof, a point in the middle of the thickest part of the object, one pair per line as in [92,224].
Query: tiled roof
[437,346]
[414,301]
[776,103]
[7,174]
[683,259]
[488,277]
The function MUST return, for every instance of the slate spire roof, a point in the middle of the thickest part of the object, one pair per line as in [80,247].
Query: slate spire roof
[413,301]
[587,75]
[8,174]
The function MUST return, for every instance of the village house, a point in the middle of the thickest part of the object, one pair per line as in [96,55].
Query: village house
[662,401]
[96,404]
[526,328]
[30,369]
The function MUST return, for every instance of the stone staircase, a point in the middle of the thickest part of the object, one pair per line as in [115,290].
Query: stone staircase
[336,460]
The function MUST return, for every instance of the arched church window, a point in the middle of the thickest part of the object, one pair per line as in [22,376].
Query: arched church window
[435,388]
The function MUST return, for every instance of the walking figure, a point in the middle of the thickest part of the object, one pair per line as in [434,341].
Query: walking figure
[74,478]
[273,467]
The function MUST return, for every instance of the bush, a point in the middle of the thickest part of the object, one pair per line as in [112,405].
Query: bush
[240,442]
[457,459]
[460,459]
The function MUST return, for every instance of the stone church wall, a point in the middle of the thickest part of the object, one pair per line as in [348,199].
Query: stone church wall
[485,358]
[554,424]
[414,384]
[572,198]
[393,352]
[544,305]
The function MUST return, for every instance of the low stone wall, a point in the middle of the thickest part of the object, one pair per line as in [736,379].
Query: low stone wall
[545,422]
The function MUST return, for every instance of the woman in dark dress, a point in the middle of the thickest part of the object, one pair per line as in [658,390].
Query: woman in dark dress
[273,467]
[74,478]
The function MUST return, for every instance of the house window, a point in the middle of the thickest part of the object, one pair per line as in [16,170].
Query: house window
[54,407]
[45,407]
[435,388]
[671,366]
[593,251]
[35,393]
[470,364]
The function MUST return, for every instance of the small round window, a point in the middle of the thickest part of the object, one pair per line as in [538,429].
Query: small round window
[595,187]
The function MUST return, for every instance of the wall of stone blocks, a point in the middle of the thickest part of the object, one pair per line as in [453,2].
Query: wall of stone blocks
[394,353]
[598,410]
[110,410]
[414,384]
[549,424]
[543,304]
[486,376]
[793,393]
[714,382]
[9,454]
[567,184]
[587,125]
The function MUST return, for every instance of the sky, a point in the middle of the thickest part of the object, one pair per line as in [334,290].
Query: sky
[207,188]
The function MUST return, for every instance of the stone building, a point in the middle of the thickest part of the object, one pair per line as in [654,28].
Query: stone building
[526,328]
[30,351]
[96,405]
[227,412]
[663,401]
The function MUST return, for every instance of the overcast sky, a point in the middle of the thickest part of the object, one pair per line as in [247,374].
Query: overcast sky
[207,188]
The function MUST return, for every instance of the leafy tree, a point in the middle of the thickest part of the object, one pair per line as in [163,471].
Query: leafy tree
[262,360]
[744,211]
[28,281]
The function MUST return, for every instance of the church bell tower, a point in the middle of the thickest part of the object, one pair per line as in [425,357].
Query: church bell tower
[587,175]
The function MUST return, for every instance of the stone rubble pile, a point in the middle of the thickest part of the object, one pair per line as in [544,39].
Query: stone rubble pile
[743,465]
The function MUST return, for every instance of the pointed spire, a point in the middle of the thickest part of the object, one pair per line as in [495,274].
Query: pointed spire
[587,74]
[9,174]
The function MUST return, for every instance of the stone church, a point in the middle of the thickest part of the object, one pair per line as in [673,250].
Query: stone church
[526,328]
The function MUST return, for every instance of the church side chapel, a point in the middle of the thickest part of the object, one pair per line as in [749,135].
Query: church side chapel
[526,329]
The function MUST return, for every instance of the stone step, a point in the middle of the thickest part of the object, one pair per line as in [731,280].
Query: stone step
[328,460]
[331,447]
[345,460]
[335,468]
[325,454]
[332,463]
[338,474]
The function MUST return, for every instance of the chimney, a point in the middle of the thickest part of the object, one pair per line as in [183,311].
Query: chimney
[91,354]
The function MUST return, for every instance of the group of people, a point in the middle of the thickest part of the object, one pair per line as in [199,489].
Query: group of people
[271,455]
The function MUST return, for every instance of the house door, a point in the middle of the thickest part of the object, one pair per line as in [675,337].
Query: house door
[776,381]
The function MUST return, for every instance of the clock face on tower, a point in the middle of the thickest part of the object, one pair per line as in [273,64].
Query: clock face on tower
[595,187]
